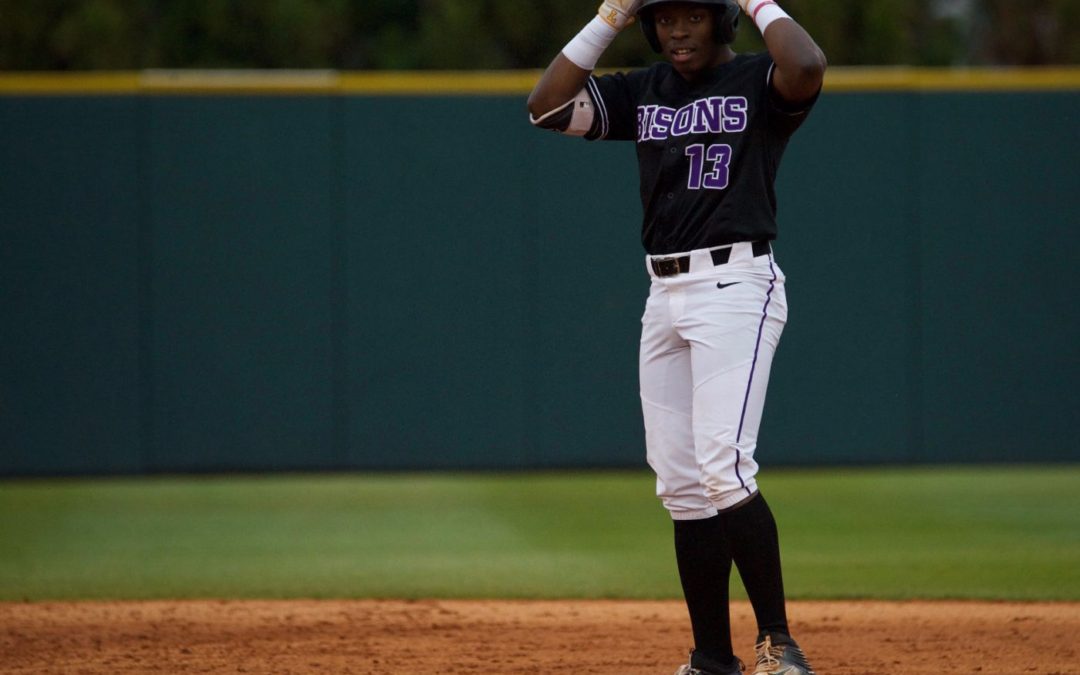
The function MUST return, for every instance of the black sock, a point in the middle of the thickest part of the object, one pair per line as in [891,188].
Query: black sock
[704,558]
[755,548]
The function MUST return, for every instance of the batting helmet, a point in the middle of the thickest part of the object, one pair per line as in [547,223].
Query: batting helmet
[725,13]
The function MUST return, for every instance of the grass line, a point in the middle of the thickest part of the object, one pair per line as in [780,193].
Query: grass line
[985,533]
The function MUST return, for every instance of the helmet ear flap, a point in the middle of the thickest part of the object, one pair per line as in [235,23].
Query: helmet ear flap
[727,22]
[648,26]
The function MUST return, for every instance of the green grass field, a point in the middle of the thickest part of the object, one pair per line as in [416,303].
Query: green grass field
[988,533]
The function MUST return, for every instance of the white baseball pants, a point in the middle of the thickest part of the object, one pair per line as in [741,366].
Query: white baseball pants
[707,343]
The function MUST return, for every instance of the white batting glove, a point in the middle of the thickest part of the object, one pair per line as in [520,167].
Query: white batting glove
[619,13]
[763,12]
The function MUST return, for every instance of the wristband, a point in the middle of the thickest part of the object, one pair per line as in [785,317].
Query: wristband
[587,46]
[764,12]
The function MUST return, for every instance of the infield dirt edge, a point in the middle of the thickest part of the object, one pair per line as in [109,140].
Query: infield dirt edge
[628,637]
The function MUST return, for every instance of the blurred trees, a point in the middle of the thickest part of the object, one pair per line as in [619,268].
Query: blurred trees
[493,34]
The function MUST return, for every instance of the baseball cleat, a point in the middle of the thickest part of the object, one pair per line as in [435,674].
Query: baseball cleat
[784,657]
[698,666]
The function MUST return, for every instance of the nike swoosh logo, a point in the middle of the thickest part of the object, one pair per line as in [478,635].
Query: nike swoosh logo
[723,285]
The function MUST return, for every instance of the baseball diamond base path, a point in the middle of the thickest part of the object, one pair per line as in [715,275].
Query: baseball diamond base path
[572,637]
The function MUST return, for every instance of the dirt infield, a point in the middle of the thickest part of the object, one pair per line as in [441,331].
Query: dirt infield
[603,637]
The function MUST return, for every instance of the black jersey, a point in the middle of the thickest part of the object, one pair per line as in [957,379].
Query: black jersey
[707,153]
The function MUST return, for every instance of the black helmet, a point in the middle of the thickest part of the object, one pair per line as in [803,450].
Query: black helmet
[726,13]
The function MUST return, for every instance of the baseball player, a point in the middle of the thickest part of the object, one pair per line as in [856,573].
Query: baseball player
[710,127]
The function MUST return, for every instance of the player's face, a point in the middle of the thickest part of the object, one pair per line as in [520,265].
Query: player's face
[686,37]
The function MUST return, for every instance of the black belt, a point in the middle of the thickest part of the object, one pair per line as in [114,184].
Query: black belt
[669,267]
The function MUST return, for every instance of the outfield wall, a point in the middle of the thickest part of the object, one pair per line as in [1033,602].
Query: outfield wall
[344,271]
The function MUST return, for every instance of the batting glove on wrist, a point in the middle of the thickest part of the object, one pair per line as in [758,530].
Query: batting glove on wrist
[619,13]
[749,6]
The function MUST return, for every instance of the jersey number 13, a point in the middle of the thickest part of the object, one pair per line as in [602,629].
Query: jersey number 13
[709,167]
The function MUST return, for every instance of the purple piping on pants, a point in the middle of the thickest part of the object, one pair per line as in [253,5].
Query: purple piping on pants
[753,365]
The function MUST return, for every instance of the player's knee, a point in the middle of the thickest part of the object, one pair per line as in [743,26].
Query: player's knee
[726,492]
[684,510]
[683,498]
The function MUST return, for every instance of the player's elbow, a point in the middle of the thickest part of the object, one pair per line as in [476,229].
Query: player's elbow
[804,76]
[811,67]
[539,105]
[543,100]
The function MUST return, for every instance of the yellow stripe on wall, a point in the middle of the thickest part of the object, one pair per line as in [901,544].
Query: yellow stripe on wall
[519,82]
[34,84]
[952,79]
[419,82]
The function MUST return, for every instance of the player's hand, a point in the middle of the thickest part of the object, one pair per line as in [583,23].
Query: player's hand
[619,13]
[744,6]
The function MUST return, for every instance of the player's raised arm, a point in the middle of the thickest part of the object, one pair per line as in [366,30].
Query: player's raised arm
[800,63]
[565,77]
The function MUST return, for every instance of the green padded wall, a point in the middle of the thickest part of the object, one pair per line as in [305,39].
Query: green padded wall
[1000,225]
[308,282]
[70,351]
[243,221]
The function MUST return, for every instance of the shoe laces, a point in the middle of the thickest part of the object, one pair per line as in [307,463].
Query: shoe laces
[769,657]
[768,654]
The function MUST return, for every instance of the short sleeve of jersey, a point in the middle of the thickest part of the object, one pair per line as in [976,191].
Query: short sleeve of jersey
[615,99]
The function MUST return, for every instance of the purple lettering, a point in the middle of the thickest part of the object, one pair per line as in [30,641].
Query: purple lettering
[683,121]
[661,126]
[708,115]
[696,153]
[717,177]
[719,158]
[735,114]
[712,115]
